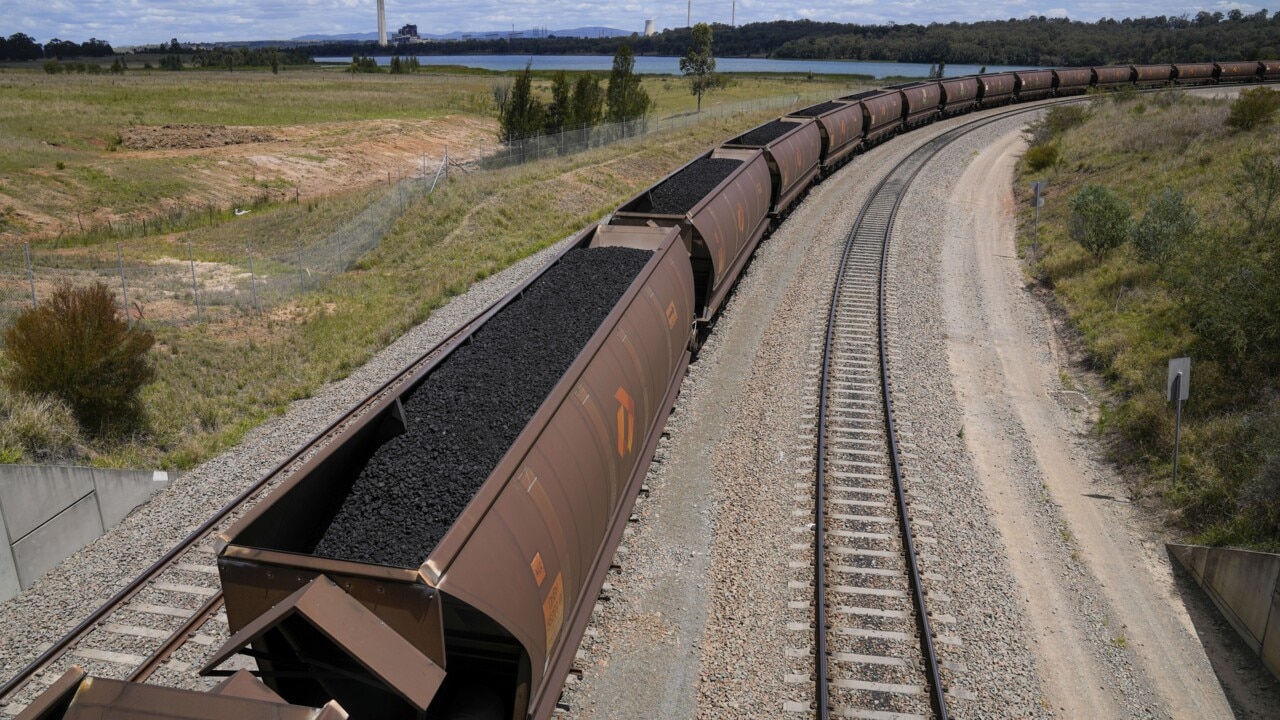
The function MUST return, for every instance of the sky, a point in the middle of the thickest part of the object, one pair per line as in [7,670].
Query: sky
[134,22]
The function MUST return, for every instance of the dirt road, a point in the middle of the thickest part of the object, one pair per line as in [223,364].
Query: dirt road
[1098,594]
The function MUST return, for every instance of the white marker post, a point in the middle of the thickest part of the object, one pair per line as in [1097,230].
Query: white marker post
[1037,202]
[1179,387]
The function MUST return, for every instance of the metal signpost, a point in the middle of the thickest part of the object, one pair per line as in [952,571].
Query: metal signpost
[1037,202]
[1178,387]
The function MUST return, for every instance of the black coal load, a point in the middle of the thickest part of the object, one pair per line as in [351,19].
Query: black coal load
[464,417]
[680,192]
[764,134]
[821,109]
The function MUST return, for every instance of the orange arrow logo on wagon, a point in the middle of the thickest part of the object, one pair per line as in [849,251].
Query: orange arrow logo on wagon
[626,421]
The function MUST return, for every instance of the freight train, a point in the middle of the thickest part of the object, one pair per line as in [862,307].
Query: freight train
[438,553]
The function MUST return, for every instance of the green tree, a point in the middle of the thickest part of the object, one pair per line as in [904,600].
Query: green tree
[1100,219]
[625,99]
[522,118]
[699,64]
[559,112]
[1166,226]
[588,102]
[274,59]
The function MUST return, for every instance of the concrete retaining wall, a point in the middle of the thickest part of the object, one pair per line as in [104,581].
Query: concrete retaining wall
[1246,588]
[48,512]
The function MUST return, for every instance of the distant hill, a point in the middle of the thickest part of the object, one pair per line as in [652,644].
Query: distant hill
[580,32]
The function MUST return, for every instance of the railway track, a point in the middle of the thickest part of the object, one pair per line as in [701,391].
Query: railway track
[166,620]
[170,617]
[876,643]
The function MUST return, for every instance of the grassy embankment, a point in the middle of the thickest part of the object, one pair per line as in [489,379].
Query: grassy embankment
[1211,295]
[218,380]
[61,158]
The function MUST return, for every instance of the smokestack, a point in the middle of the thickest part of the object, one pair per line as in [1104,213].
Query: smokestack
[734,21]
[688,20]
[382,22]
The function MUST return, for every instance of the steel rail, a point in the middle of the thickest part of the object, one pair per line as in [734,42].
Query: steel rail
[902,174]
[316,443]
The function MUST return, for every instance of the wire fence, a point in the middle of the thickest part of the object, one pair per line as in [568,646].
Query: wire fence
[180,284]
[578,139]
[166,282]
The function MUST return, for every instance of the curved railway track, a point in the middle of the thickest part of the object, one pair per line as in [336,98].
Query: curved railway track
[875,647]
[866,663]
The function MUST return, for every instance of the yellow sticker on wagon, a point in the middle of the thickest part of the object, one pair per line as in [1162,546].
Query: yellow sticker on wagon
[553,610]
[539,571]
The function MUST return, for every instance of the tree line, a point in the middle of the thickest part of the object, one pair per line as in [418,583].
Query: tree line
[581,104]
[1053,41]
[577,104]
[1030,41]
[20,46]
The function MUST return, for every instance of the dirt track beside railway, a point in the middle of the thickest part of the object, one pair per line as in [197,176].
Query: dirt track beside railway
[1099,589]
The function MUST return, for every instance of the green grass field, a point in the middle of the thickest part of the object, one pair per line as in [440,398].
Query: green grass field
[217,380]
[62,164]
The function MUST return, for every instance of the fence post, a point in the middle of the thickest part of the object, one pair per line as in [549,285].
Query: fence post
[302,275]
[31,277]
[253,279]
[124,290]
[195,289]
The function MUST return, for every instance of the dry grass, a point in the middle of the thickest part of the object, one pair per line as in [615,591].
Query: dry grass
[37,429]
[216,381]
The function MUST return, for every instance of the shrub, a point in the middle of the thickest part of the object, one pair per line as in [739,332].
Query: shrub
[1253,108]
[1057,121]
[1100,220]
[1167,224]
[1042,156]
[76,348]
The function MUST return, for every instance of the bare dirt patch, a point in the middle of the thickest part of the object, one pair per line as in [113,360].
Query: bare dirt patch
[322,158]
[168,137]
[1107,613]
[229,166]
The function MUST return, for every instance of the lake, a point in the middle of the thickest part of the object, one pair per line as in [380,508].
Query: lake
[671,65]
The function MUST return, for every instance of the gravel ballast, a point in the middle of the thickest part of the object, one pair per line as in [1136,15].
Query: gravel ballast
[764,134]
[679,193]
[820,109]
[731,605]
[464,417]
